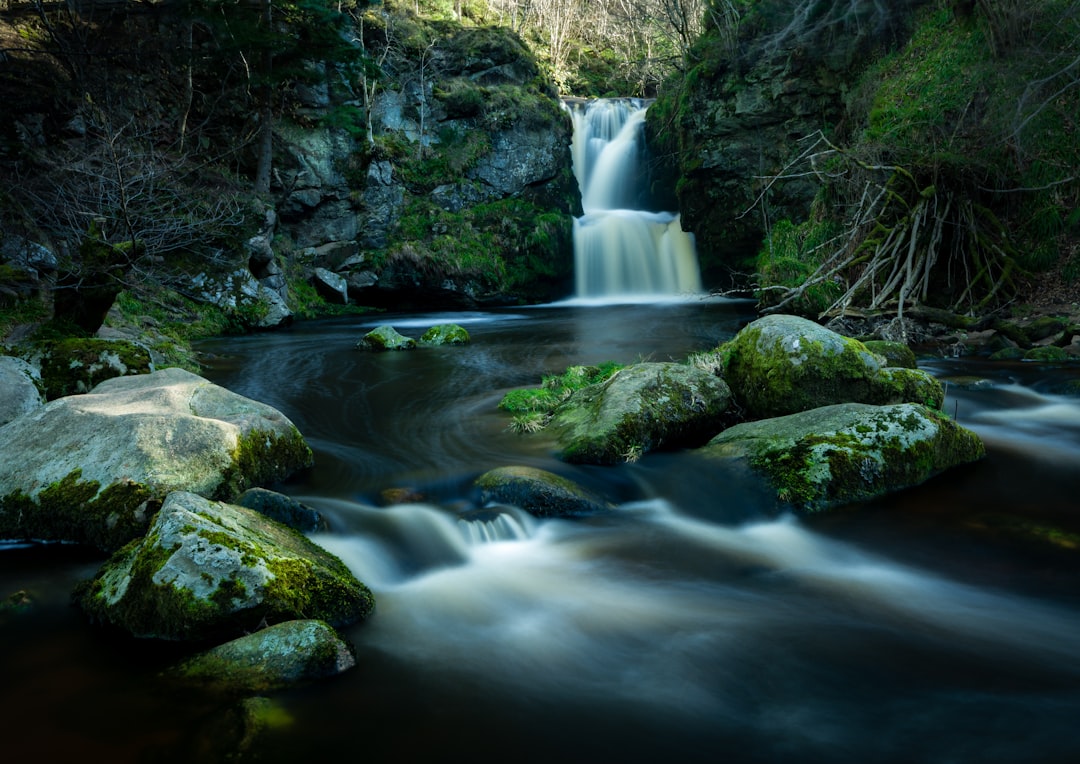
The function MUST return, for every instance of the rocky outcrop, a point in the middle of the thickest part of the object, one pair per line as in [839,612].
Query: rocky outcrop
[837,455]
[92,468]
[275,658]
[752,106]
[19,391]
[207,569]
[538,492]
[642,408]
[785,364]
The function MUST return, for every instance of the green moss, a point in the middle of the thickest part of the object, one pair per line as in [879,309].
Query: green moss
[263,458]
[340,598]
[77,510]
[445,334]
[555,389]
[1049,354]
[75,365]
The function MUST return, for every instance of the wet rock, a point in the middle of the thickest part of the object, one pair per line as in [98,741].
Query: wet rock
[538,492]
[445,334]
[283,509]
[642,408]
[839,454]
[206,569]
[92,468]
[385,338]
[275,658]
[331,286]
[780,365]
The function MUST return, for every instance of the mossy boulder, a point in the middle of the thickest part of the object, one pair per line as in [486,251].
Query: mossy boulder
[835,455]
[383,338]
[1047,354]
[19,392]
[641,408]
[782,364]
[275,658]
[538,492]
[445,334]
[209,570]
[77,365]
[92,468]
[895,353]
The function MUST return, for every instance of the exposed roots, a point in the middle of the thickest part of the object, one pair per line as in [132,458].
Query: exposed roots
[905,243]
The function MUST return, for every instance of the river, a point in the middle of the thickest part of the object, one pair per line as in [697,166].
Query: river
[695,622]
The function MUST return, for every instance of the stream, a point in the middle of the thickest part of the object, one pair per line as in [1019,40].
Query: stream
[694,622]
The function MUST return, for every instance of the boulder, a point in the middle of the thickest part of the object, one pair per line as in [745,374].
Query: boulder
[208,570]
[641,408]
[445,334]
[283,509]
[538,492]
[19,393]
[275,658]
[91,468]
[782,364]
[332,286]
[835,455]
[895,353]
[385,338]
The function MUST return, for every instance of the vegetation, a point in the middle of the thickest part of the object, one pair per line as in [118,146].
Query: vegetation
[961,178]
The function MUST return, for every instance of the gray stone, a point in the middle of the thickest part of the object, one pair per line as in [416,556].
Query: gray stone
[331,286]
[90,468]
[19,392]
[206,570]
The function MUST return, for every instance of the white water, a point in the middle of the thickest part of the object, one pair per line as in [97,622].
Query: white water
[620,250]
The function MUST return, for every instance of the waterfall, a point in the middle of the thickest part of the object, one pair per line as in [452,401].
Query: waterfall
[620,249]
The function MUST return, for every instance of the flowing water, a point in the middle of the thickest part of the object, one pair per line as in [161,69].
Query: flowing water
[621,246]
[694,622]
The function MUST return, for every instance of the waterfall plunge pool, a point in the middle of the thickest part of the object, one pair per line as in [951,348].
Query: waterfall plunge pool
[693,623]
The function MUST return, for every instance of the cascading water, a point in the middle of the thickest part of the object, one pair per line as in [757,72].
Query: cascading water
[621,250]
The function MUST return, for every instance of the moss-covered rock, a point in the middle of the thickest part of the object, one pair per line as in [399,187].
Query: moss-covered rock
[275,658]
[839,454]
[209,570]
[644,407]
[1047,354]
[93,468]
[781,365]
[538,492]
[445,334]
[77,365]
[385,338]
[895,353]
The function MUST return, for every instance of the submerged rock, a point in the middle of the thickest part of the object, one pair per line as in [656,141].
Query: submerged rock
[839,454]
[92,468]
[644,407]
[781,365]
[275,658]
[385,338]
[207,569]
[283,509]
[445,334]
[538,492]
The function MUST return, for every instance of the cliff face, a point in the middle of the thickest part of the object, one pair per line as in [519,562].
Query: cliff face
[435,174]
[752,105]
